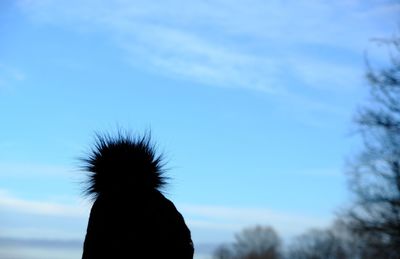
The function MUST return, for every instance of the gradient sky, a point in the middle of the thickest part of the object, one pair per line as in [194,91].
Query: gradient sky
[250,101]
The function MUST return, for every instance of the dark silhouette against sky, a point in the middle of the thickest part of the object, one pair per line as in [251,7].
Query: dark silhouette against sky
[130,217]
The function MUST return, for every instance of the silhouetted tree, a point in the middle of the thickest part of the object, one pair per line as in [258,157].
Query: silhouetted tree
[224,252]
[317,244]
[374,175]
[252,243]
[336,242]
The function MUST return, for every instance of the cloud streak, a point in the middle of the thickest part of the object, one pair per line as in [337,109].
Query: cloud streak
[29,170]
[303,54]
[228,43]
[12,203]
[233,219]
[206,217]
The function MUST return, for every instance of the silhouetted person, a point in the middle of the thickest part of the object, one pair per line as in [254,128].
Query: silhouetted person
[130,218]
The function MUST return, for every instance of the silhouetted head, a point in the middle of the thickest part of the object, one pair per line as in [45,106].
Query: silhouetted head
[123,164]
[130,216]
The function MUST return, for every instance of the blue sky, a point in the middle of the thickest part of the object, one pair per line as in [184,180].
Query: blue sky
[250,101]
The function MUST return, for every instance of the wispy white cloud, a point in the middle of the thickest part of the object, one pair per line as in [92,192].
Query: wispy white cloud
[29,170]
[234,219]
[42,231]
[306,54]
[232,43]
[205,217]
[42,218]
[10,202]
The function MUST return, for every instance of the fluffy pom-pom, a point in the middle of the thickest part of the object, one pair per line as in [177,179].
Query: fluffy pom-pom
[123,164]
